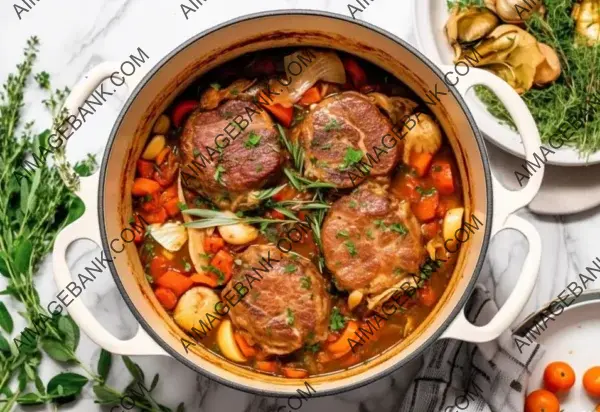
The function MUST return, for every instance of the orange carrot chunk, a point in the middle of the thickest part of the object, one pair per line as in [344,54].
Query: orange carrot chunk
[172,207]
[168,194]
[246,349]
[283,114]
[311,96]
[159,216]
[425,209]
[175,281]
[341,346]
[207,279]
[212,244]
[294,373]
[166,297]
[420,162]
[266,366]
[224,262]
[427,296]
[441,173]
[142,186]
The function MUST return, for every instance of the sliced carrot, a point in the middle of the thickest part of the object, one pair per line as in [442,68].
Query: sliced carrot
[425,209]
[145,168]
[168,194]
[311,96]
[224,262]
[294,373]
[166,297]
[142,186]
[356,73]
[212,244]
[159,216]
[159,265]
[172,207]
[162,155]
[341,346]
[427,296]
[430,229]
[420,162]
[283,114]
[441,173]
[266,366]
[207,279]
[332,337]
[175,281]
[246,349]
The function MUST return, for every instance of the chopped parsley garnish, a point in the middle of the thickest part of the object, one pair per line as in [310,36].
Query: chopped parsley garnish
[425,192]
[149,278]
[380,225]
[235,92]
[336,320]
[205,255]
[342,233]
[253,140]
[351,157]
[259,167]
[289,316]
[437,168]
[352,204]
[398,271]
[326,146]
[218,174]
[314,348]
[215,86]
[228,115]
[305,282]
[182,206]
[370,234]
[399,228]
[351,247]
[196,152]
[332,124]
[216,271]
[146,198]
[290,268]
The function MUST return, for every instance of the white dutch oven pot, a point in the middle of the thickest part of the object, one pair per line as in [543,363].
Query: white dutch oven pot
[108,203]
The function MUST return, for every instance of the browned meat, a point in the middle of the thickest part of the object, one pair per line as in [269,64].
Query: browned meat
[229,152]
[371,240]
[333,133]
[287,305]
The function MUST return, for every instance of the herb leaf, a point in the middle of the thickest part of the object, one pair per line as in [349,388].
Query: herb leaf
[336,320]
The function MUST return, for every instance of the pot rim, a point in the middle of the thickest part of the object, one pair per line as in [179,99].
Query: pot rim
[361,382]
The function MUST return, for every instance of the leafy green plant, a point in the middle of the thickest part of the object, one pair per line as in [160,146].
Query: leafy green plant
[34,206]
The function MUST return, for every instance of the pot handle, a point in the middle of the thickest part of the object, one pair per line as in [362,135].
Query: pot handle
[87,227]
[506,202]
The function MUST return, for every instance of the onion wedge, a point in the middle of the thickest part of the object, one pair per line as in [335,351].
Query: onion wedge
[195,236]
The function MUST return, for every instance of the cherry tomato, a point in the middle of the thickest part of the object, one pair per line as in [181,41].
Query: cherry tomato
[559,376]
[542,401]
[181,110]
[591,381]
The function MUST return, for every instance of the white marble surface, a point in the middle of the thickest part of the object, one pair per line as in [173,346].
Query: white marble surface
[77,35]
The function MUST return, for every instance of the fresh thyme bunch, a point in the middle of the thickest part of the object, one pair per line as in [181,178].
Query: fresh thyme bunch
[33,210]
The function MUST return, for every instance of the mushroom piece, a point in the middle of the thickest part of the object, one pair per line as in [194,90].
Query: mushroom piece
[549,69]
[467,25]
[425,136]
[514,11]
[194,305]
[406,283]
[495,48]
[586,14]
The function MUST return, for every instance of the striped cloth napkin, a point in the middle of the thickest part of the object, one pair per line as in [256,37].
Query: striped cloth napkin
[484,377]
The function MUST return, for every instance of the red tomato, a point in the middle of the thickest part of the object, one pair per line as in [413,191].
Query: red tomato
[182,109]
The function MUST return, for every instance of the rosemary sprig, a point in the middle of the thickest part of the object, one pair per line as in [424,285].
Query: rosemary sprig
[267,193]
[301,183]
[212,218]
[296,151]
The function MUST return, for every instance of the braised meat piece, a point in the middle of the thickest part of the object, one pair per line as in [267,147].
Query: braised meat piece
[340,131]
[371,240]
[229,152]
[287,305]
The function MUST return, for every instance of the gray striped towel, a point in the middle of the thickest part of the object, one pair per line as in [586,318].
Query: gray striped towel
[484,377]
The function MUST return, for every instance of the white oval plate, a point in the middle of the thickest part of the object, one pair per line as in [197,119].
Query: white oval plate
[430,19]
[573,338]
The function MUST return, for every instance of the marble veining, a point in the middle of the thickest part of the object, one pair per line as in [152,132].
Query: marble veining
[78,35]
